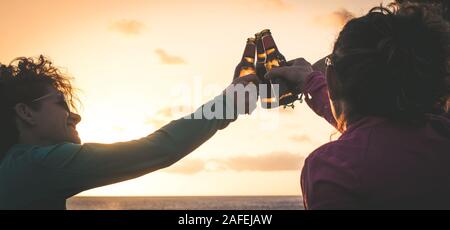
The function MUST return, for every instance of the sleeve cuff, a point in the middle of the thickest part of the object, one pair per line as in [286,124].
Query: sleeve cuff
[314,81]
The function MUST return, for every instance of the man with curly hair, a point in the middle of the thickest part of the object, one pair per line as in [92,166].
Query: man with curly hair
[42,160]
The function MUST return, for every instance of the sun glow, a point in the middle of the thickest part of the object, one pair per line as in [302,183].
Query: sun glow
[129,58]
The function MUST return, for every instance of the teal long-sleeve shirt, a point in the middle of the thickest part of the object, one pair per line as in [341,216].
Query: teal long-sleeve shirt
[37,177]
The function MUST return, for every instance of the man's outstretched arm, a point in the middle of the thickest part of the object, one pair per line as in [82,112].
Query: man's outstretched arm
[72,168]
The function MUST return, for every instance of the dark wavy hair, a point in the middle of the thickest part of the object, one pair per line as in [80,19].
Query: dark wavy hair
[393,63]
[441,7]
[22,81]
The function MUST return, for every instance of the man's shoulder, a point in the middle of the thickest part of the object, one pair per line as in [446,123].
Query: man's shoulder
[26,153]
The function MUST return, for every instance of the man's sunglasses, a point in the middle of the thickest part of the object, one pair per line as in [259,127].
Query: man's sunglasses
[61,100]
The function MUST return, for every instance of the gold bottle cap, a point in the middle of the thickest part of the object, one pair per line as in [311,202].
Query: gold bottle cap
[264,32]
[251,40]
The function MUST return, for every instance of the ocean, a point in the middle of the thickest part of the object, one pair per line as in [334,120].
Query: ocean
[187,203]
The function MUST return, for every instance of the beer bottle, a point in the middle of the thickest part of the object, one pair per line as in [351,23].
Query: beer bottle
[248,59]
[267,100]
[247,66]
[275,59]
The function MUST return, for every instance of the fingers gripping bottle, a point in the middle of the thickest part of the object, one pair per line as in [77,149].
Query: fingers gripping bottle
[275,59]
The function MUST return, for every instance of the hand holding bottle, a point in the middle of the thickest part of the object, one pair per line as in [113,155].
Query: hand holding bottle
[294,73]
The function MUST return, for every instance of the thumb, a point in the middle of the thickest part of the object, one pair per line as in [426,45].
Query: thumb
[277,72]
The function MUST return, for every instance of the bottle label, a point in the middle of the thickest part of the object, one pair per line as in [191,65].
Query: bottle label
[269,51]
[271,64]
[246,71]
[249,59]
[262,56]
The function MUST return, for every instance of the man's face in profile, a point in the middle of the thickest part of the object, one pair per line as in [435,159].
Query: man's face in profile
[55,122]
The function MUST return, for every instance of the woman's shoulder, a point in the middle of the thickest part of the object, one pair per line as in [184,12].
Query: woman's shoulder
[336,162]
[381,140]
[339,153]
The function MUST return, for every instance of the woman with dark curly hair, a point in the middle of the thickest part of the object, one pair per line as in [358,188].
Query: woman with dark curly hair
[42,162]
[385,81]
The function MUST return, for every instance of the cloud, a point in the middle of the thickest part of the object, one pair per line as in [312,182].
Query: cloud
[336,19]
[275,161]
[343,16]
[187,166]
[165,115]
[166,58]
[127,27]
[275,4]
[301,138]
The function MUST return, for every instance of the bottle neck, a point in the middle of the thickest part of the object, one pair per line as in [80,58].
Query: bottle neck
[273,56]
[260,53]
[269,44]
[249,53]
[248,60]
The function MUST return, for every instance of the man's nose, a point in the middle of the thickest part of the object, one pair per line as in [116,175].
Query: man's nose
[75,117]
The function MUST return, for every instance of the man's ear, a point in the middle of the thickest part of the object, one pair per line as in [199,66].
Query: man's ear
[333,84]
[25,113]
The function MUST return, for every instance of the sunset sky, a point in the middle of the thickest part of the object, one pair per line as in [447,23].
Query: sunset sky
[140,64]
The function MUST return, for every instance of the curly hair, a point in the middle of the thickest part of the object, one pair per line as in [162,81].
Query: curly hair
[393,63]
[23,80]
[441,7]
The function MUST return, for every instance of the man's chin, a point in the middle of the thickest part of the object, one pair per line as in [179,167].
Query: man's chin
[77,141]
[74,139]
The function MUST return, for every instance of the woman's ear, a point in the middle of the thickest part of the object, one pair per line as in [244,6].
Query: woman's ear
[320,65]
[333,85]
[25,113]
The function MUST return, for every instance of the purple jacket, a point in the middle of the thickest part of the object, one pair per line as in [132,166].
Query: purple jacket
[376,163]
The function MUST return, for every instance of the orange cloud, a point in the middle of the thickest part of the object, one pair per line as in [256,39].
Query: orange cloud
[275,161]
[343,16]
[128,27]
[187,166]
[167,114]
[166,58]
[275,4]
[336,19]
